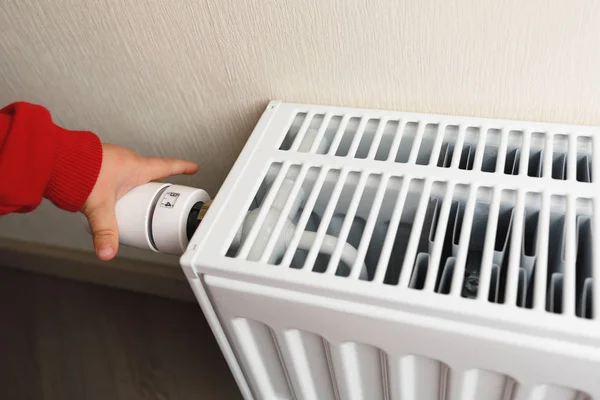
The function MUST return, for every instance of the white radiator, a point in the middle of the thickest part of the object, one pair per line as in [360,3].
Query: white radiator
[405,256]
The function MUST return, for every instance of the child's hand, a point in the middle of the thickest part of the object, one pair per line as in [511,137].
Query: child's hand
[121,171]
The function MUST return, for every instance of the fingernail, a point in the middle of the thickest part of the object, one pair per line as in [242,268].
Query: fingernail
[105,251]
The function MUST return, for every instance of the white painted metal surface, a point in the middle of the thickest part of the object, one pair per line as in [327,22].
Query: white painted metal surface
[478,240]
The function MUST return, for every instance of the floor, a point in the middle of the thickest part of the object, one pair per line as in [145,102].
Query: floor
[61,339]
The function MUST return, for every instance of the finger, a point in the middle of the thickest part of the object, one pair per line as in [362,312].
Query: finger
[105,231]
[158,168]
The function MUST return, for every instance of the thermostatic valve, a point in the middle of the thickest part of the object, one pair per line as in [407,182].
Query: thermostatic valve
[159,216]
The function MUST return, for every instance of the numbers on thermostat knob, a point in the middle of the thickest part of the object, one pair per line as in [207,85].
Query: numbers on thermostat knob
[169,199]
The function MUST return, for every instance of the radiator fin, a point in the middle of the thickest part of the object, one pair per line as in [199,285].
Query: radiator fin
[416,378]
[358,371]
[547,392]
[261,356]
[306,360]
[477,384]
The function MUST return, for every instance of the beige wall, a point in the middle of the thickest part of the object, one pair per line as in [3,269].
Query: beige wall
[189,78]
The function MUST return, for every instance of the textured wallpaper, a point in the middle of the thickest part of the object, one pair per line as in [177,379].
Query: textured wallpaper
[190,78]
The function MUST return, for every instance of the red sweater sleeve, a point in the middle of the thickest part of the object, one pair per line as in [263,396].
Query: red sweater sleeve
[40,159]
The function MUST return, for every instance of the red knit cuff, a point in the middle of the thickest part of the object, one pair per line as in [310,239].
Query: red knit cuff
[78,158]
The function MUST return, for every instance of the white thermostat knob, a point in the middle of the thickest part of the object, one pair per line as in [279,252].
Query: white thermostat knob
[134,213]
[175,217]
[159,216]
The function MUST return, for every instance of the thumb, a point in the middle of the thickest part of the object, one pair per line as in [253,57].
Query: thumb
[105,231]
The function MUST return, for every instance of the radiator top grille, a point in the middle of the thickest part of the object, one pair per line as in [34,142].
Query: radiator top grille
[489,211]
